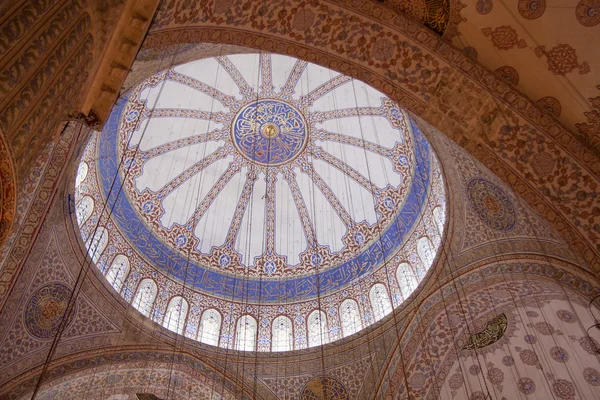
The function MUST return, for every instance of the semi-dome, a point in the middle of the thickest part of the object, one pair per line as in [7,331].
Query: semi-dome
[260,202]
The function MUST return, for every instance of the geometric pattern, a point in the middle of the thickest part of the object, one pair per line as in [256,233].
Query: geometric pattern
[45,310]
[265,151]
[491,204]
[349,186]
[324,388]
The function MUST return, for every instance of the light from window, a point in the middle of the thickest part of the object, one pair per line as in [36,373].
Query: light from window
[82,172]
[144,297]
[317,329]
[97,243]
[350,317]
[438,216]
[245,335]
[425,251]
[210,326]
[407,279]
[176,313]
[118,272]
[380,301]
[282,338]
[84,210]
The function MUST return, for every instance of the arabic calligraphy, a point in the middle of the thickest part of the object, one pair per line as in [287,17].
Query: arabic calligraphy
[269,132]
[493,332]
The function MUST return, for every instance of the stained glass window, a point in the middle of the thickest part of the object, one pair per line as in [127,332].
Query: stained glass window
[118,272]
[84,210]
[210,326]
[282,338]
[350,317]
[426,251]
[176,313]
[245,335]
[380,301]
[144,297]
[317,329]
[97,243]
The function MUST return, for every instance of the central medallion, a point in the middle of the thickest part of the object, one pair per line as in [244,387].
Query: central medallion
[269,132]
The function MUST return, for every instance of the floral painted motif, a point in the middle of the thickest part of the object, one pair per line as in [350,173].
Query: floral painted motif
[559,354]
[491,204]
[504,37]
[563,389]
[526,386]
[562,59]
[45,310]
[566,316]
[592,376]
[529,357]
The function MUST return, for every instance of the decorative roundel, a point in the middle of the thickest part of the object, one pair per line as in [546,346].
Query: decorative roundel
[269,132]
[324,388]
[588,12]
[484,7]
[508,74]
[532,9]
[491,204]
[549,105]
[45,310]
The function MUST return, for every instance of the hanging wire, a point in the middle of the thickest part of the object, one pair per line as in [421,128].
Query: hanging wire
[81,276]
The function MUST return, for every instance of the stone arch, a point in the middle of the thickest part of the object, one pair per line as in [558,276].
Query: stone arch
[468,103]
[195,374]
[490,290]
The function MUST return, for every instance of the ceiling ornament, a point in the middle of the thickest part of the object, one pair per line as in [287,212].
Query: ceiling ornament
[550,105]
[266,181]
[491,204]
[484,7]
[504,37]
[509,75]
[562,59]
[531,9]
[588,12]
[591,129]
[45,310]
[324,388]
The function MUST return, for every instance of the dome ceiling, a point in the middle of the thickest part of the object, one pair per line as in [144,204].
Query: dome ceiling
[263,179]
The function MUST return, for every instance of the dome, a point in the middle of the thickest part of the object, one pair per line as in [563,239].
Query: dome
[260,202]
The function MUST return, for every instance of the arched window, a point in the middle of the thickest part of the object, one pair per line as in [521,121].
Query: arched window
[96,244]
[317,329]
[350,317]
[438,216]
[380,301]
[118,272]
[407,280]
[210,327]
[282,337]
[82,172]
[84,210]
[176,313]
[144,297]
[426,252]
[245,334]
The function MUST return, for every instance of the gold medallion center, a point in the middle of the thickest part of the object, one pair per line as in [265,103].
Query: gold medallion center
[269,130]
